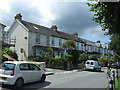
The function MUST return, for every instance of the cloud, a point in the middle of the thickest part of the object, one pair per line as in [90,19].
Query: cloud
[70,17]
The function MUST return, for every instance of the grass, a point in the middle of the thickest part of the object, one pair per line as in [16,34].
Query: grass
[117,84]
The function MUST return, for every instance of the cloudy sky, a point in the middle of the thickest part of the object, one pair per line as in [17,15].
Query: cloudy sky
[69,16]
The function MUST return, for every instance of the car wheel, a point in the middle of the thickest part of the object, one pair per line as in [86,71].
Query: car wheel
[100,70]
[19,83]
[43,78]
[94,69]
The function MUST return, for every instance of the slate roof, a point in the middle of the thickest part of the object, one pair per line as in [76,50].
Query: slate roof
[47,31]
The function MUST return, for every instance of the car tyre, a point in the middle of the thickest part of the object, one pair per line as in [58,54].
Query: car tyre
[43,78]
[18,83]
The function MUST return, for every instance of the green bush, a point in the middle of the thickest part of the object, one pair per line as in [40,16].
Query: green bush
[83,57]
[11,53]
[93,57]
[76,55]
[68,57]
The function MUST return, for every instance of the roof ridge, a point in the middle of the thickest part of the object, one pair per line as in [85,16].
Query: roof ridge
[36,24]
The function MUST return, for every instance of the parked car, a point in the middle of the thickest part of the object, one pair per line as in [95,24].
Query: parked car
[18,73]
[92,65]
[116,65]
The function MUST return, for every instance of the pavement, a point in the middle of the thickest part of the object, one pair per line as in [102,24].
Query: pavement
[50,71]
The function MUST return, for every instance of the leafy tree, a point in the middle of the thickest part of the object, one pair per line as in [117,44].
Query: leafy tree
[93,57]
[109,55]
[69,45]
[103,60]
[107,14]
[115,43]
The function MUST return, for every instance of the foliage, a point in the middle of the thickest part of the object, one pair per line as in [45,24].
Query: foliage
[107,15]
[117,57]
[68,57]
[11,53]
[83,57]
[115,43]
[93,57]
[102,59]
[57,62]
[69,45]
[76,55]
[109,55]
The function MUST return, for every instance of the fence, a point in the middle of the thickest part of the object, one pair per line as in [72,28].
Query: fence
[115,73]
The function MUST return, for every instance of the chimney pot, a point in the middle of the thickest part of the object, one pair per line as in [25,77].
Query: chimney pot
[18,16]
[54,27]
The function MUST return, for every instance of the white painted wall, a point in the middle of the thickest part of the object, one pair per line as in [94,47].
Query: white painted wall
[18,32]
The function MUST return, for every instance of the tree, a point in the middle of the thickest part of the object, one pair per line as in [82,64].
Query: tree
[107,14]
[115,43]
[69,45]
[93,57]
[103,60]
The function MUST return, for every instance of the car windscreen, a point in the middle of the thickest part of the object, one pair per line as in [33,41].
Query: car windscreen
[87,62]
[92,63]
[7,66]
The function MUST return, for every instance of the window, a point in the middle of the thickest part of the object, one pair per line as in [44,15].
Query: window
[37,38]
[77,45]
[23,67]
[33,67]
[87,63]
[47,40]
[52,41]
[7,66]
[92,63]
[60,42]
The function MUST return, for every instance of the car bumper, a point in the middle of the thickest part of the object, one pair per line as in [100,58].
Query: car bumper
[7,80]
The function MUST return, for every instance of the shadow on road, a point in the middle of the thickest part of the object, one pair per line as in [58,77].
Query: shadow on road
[33,86]
[96,71]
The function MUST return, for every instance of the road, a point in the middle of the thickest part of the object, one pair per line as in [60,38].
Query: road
[81,79]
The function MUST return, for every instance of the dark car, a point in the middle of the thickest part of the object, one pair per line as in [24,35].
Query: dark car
[116,65]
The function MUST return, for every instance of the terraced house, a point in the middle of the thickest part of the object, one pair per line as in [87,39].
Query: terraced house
[4,41]
[32,39]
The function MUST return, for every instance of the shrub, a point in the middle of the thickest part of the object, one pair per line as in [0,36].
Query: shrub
[11,53]
[68,57]
[93,57]
[57,62]
[83,57]
[76,55]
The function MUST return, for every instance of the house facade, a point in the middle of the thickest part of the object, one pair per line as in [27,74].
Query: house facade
[32,39]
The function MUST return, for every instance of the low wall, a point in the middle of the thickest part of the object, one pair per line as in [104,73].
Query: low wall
[42,65]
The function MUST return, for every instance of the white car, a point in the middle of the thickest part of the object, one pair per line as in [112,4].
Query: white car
[18,73]
[92,65]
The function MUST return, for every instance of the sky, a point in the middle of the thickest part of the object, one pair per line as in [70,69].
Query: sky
[70,16]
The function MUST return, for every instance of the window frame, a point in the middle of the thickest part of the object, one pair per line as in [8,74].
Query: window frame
[37,39]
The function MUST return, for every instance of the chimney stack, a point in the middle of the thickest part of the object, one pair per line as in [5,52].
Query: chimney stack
[75,34]
[18,16]
[54,27]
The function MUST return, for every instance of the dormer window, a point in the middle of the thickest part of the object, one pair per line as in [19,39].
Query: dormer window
[35,27]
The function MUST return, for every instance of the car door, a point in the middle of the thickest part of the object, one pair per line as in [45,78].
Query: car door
[25,72]
[36,72]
